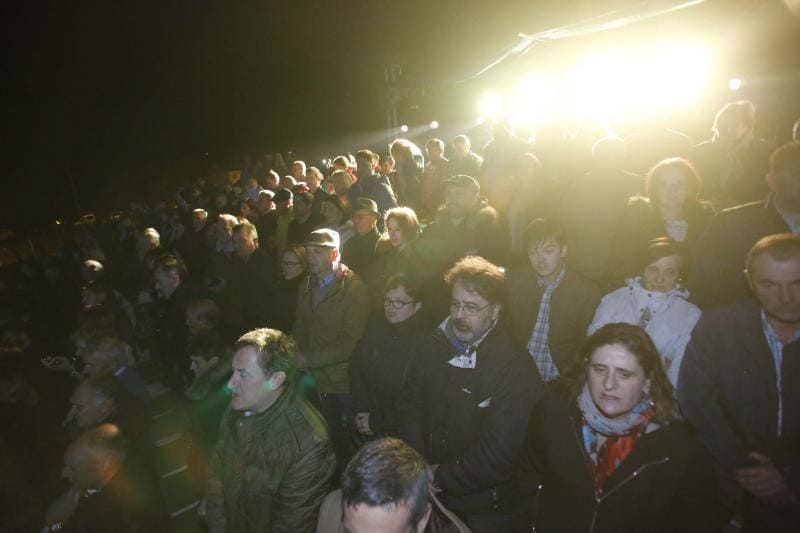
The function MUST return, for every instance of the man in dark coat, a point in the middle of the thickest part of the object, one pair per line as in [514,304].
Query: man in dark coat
[273,461]
[739,386]
[718,254]
[592,209]
[173,334]
[467,405]
[251,280]
[732,164]
[359,250]
[550,306]
[466,226]
[372,185]
[110,489]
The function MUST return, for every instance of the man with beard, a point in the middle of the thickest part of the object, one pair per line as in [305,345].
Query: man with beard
[466,405]
[739,386]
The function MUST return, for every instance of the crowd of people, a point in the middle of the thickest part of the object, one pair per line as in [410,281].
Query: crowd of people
[582,333]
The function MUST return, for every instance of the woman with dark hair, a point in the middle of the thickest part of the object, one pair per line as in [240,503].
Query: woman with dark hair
[606,451]
[380,363]
[294,267]
[656,301]
[672,209]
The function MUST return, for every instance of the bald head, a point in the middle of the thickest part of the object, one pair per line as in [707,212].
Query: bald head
[92,459]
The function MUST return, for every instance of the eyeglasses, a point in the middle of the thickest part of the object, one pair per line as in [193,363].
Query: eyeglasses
[396,304]
[469,309]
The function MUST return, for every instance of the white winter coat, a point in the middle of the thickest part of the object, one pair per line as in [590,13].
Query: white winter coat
[671,323]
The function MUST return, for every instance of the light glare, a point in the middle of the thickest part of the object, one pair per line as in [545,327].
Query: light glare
[404,128]
[434,124]
[490,105]
[734,84]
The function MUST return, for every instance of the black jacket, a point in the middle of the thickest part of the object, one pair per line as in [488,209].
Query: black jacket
[642,222]
[572,307]
[727,389]
[380,366]
[359,252]
[480,233]
[471,422]
[718,256]
[665,484]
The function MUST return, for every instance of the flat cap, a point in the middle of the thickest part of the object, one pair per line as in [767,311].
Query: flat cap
[324,237]
[462,180]
[365,204]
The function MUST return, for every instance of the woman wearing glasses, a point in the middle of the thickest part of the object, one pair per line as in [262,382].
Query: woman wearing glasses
[294,267]
[380,363]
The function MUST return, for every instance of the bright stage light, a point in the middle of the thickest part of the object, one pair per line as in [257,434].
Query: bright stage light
[625,84]
[490,105]
[434,124]
[404,128]
[481,120]
[610,85]
[534,101]
[734,84]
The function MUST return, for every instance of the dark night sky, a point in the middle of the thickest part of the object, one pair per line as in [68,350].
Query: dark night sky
[106,91]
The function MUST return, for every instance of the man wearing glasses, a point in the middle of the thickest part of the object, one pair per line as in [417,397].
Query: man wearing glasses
[466,408]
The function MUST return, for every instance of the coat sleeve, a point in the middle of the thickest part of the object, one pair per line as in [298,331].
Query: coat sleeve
[411,406]
[359,388]
[355,313]
[491,459]
[699,396]
[300,494]
[214,501]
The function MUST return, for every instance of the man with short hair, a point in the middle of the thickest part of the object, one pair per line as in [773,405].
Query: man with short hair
[437,169]
[739,385]
[464,160]
[304,221]
[468,399]
[467,225]
[284,207]
[251,282]
[202,316]
[359,250]
[716,277]
[102,400]
[314,179]
[273,460]
[299,170]
[734,161]
[372,185]
[591,209]
[109,357]
[193,246]
[332,312]
[172,334]
[550,305]
[384,488]
[109,490]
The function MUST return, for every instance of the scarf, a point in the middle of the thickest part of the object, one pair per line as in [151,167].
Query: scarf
[621,434]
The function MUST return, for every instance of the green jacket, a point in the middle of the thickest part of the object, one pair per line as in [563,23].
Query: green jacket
[270,471]
[328,333]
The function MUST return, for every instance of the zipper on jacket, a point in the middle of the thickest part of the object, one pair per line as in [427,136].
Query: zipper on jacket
[597,496]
